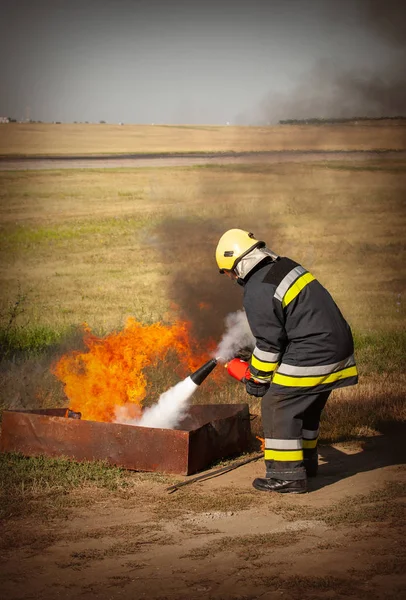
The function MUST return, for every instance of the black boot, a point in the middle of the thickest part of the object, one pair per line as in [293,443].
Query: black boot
[298,486]
[311,461]
[312,466]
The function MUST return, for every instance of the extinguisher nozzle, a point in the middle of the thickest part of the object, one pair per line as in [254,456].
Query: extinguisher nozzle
[200,375]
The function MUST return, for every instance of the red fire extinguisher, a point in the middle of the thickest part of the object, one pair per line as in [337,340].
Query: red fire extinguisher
[239,369]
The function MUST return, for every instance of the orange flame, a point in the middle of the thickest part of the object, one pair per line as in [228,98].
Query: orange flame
[262,440]
[112,372]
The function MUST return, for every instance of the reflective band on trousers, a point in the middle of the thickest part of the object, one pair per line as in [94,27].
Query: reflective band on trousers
[312,381]
[285,369]
[296,288]
[310,437]
[309,444]
[272,444]
[287,455]
[310,434]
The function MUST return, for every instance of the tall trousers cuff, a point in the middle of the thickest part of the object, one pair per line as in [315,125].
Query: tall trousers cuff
[285,470]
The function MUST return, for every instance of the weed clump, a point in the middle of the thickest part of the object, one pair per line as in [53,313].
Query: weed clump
[26,481]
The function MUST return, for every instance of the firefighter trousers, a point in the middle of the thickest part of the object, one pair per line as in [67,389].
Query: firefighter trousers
[291,430]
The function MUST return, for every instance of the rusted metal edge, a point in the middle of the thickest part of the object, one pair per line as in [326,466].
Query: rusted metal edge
[208,434]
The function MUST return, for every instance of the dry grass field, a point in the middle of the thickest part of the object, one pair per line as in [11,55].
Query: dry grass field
[100,245]
[18,139]
[93,245]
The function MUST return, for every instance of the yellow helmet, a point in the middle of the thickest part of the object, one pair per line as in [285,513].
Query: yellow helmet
[232,246]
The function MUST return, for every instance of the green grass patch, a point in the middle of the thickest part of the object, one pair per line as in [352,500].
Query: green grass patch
[380,352]
[24,481]
[111,227]
[37,474]
[29,341]
[361,415]
[45,487]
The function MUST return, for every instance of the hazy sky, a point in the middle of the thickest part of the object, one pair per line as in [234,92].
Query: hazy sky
[184,61]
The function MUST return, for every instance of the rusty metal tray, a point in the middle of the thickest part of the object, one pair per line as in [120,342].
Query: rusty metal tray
[210,432]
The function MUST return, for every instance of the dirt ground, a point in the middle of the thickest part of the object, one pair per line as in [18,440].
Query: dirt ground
[220,539]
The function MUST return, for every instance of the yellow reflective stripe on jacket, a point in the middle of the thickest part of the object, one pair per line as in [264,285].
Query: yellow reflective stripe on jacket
[296,288]
[261,365]
[309,443]
[281,455]
[264,378]
[312,381]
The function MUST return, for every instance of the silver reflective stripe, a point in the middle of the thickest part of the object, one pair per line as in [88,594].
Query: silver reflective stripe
[266,356]
[271,444]
[310,434]
[287,282]
[285,369]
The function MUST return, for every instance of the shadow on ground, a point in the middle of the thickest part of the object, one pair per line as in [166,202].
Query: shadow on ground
[386,449]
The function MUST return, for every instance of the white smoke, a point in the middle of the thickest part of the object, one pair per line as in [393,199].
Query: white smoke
[168,412]
[238,335]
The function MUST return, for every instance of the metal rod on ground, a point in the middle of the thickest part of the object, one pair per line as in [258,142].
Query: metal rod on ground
[221,471]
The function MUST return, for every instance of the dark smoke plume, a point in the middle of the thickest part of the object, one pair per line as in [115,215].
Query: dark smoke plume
[387,19]
[329,92]
[187,246]
[201,295]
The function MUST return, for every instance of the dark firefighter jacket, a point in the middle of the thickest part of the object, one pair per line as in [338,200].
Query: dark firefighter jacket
[303,343]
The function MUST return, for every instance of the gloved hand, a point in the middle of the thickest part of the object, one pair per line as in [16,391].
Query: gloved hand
[244,353]
[256,388]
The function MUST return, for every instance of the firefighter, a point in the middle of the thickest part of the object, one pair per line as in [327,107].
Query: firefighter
[304,349]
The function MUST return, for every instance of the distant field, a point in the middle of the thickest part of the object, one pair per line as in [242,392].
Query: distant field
[49,139]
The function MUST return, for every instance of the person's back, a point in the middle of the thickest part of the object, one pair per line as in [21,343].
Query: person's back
[294,315]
